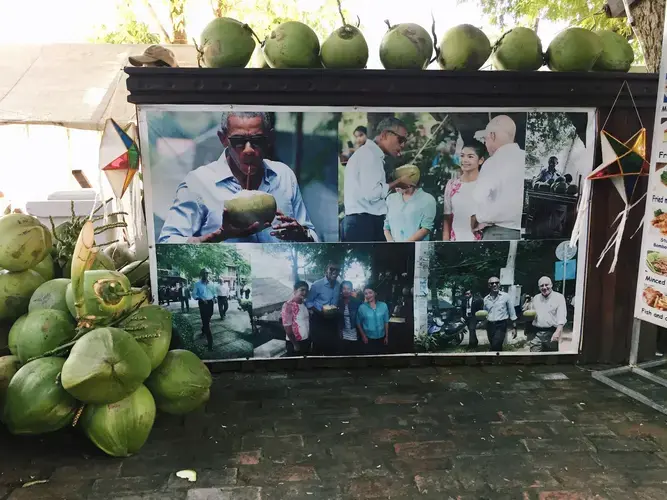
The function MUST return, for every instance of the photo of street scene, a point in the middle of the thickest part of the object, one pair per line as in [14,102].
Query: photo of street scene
[240,176]
[559,155]
[431,176]
[209,291]
[332,299]
[496,297]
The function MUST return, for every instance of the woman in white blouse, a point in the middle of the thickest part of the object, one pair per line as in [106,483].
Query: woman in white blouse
[459,205]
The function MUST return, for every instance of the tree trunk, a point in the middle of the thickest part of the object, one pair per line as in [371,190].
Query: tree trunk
[177,16]
[295,264]
[649,22]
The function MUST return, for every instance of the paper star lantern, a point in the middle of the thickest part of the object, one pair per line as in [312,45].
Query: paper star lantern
[623,162]
[119,157]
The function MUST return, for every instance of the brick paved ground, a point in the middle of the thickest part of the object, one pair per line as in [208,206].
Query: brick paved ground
[435,433]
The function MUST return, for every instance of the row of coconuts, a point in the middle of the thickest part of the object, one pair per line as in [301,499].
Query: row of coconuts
[228,43]
[86,351]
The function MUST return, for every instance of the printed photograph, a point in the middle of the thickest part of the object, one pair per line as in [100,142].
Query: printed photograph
[332,299]
[208,289]
[559,155]
[514,296]
[431,176]
[241,176]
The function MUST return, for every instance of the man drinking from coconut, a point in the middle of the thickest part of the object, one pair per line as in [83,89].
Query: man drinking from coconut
[366,187]
[322,299]
[198,214]
[550,317]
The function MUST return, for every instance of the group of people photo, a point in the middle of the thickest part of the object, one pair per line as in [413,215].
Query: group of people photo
[460,176]
[495,297]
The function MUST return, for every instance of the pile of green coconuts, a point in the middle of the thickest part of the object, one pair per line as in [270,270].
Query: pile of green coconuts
[228,43]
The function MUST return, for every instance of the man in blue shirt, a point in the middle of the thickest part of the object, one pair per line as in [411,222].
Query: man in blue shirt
[204,294]
[197,214]
[500,308]
[324,324]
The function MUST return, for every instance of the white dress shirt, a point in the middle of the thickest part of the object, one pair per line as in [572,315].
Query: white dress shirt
[498,193]
[551,311]
[365,182]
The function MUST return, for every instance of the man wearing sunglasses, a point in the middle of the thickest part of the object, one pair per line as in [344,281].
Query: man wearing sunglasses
[500,308]
[366,186]
[197,214]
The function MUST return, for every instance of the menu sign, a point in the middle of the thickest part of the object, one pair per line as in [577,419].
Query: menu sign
[651,301]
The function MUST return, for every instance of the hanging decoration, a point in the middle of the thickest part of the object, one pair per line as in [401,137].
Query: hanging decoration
[623,163]
[119,157]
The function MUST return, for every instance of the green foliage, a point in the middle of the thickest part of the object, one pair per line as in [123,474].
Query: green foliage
[189,260]
[546,135]
[129,31]
[588,14]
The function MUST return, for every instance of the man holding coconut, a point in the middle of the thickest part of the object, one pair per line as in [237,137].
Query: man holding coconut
[198,214]
[366,187]
[550,317]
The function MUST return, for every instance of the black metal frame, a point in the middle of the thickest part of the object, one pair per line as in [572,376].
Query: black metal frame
[387,89]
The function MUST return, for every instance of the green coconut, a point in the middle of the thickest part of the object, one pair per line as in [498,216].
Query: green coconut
[14,333]
[617,53]
[138,272]
[406,46]
[292,45]
[464,47]
[120,253]
[69,298]
[412,172]
[106,295]
[520,49]
[346,48]
[574,49]
[24,242]
[43,331]
[120,429]
[225,43]
[50,295]
[482,314]
[46,267]
[530,314]
[249,206]
[152,327]
[9,365]
[15,292]
[181,383]
[105,366]
[35,401]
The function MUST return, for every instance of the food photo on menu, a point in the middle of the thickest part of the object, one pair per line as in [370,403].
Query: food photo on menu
[656,262]
[654,298]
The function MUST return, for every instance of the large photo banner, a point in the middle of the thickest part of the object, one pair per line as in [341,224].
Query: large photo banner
[282,231]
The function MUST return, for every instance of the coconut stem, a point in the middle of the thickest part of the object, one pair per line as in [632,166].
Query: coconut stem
[199,53]
[106,227]
[386,21]
[340,11]
[358,21]
[78,415]
[252,32]
[435,40]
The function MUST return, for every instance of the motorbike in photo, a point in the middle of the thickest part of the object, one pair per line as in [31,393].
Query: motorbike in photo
[448,327]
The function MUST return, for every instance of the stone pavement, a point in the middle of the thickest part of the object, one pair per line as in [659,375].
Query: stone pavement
[491,432]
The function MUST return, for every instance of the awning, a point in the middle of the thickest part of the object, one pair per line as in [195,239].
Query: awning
[71,85]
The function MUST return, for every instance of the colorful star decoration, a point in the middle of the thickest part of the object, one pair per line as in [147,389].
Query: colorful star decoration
[623,162]
[119,156]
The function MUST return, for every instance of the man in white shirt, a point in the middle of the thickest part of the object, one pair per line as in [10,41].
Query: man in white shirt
[366,184]
[550,318]
[222,290]
[498,193]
